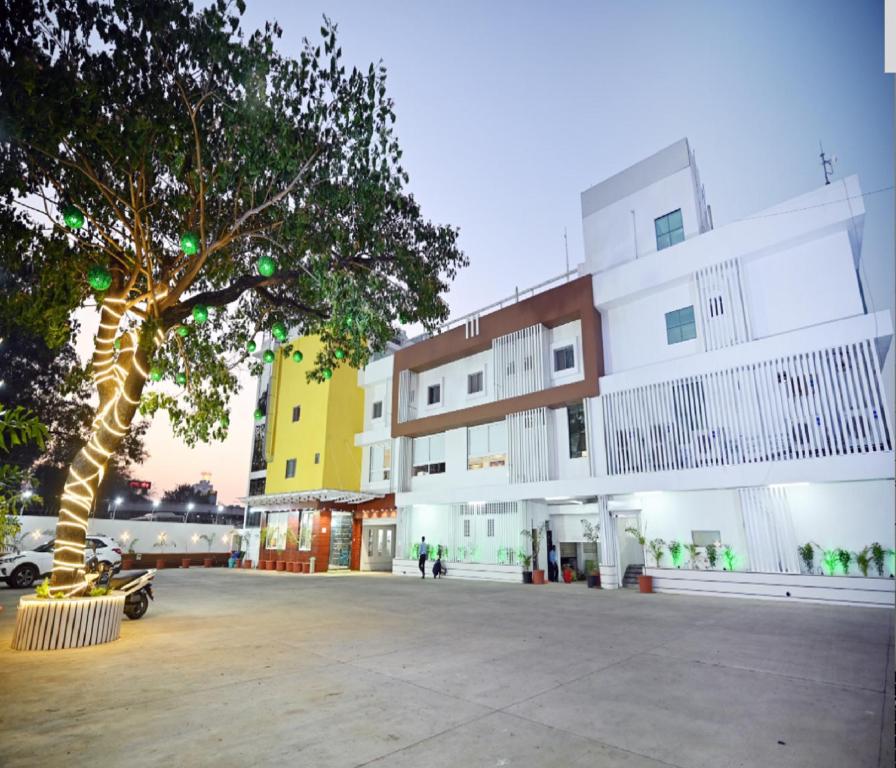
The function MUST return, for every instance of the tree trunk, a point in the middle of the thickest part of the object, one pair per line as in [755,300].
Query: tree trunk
[120,383]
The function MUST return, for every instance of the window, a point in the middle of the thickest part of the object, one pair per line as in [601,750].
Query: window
[487,445]
[429,455]
[716,307]
[527,363]
[296,412]
[305,529]
[490,527]
[290,467]
[575,418]
[380,462]
[680,325]
[467,529]
[564,358]
[275,537]
[377,410]
[433,394]
[257,486]
[669,230]
[704,538]
[317,458]
[474,383]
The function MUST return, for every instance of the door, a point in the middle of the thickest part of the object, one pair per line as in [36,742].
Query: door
[628,551]
[340,539]
[377,547]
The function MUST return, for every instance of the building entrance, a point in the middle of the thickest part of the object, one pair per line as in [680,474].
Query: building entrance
[340,539]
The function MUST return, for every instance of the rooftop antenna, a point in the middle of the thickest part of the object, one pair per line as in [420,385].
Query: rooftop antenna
[827,164]
[566,248]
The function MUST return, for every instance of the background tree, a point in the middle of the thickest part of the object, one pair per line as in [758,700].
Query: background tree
[184,494]
[201,187]
[19,428]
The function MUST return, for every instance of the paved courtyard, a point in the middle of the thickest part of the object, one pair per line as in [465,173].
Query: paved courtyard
[243,669]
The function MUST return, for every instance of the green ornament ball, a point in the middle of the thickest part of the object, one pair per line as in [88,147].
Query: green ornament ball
[117,343]
[297,356]
[99,277]
[73,217]
[183,330]
[268,356]
[339,354]
[155,373]
[181,378]
[224,421]
[348,321]
[278,329]
[259,414]
[200,313]
[327,373]
[251,347]
[189,243]
[267,266]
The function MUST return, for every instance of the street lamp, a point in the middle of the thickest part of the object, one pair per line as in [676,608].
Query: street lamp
[118,501]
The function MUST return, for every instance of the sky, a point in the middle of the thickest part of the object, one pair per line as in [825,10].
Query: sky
[507,111]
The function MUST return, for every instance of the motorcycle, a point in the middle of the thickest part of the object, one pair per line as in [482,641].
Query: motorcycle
[136,585]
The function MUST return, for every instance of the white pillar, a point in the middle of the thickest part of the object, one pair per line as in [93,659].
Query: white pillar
[608,576]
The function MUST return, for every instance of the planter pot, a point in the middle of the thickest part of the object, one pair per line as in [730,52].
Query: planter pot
[246,564]
[185,562]
[645,584]
[538,577]
[127,563]
[268,565]
[48,625]
[160,564]
[567,576]
[291,566]
[281,565]
[304,568]
[208,562]
[527,577]
[594,580]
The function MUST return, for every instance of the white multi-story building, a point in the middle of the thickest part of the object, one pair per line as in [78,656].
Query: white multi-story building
[706,385]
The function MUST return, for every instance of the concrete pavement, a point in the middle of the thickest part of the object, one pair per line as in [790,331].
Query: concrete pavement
[232,668]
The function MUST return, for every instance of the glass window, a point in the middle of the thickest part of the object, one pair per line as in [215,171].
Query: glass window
[377,410]
[474,383]
[575,418]
[680,325]
[564,358]
[306,528]
[380,461]
[716,307]
[317,458]
[290,467]
[704,538]
[669,229]
[433,394]
[276,530]
[487,445]
[429,454]
[296,412]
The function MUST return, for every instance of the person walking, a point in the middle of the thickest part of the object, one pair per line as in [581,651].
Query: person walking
[552,565]
[424,551]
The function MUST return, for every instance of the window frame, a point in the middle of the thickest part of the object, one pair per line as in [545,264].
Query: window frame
[583,452]
[477,392]
[296,413]
[374,416]
[672,235]
[437,387]
[675,325]
[420,467]
[495,455]
[562,347]
[290,469]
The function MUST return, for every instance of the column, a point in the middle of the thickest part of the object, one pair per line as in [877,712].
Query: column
[609,579]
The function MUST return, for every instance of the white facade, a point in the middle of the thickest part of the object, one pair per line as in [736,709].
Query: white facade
[741,392]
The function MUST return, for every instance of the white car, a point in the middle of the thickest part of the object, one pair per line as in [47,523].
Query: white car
[23,569]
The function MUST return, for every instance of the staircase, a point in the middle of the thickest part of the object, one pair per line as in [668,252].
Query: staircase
[632,572]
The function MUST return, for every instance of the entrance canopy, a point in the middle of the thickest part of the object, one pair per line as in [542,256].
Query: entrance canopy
[323,496]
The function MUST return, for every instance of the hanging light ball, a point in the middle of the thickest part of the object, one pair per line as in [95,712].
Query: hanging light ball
[278,329]
[155,373]
[181,378]
[348,321]
[297,356]
[183,330]
[224,421]
[189,243]
[327,373]
[259,414]
[339,354]
[99,277]
[73,217]
[268,356]
[266,266]
[251,347]
[117,343]
[200,313]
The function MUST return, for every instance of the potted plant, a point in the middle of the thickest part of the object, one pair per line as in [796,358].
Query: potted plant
[657,547]
[730,558]
[534,537]
[161,542]
[878,553]
[591,534]
[129,560]
[863,560]
[645,582]
[693,552]
[844,557]
[712,554]
[807,555]
[209,539]
[675,551]
[568,575]
[829,561]
[526,560]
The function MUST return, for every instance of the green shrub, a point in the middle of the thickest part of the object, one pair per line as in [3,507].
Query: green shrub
[807,555]
[844,556]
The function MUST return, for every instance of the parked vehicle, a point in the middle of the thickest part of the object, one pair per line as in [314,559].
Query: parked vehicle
[23,569]
[136,585]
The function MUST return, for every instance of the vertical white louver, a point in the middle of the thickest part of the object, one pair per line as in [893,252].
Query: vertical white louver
[530,442]
[827,402]
[519,362]
[771,541]
[401,460]
[607,532]
[407,385]
[722,310]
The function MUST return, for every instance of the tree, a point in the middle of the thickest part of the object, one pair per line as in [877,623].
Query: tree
[18,428]
[201,187]
[185,493]
[52,383]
